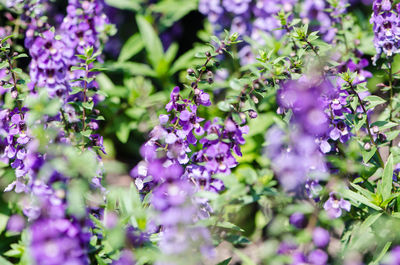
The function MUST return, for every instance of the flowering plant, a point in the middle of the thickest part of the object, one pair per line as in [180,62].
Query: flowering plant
[199,132]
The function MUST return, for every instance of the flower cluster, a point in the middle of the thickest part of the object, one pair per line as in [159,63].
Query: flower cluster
[256,20]
[386,28]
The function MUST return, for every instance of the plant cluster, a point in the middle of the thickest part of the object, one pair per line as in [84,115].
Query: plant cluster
[267,133]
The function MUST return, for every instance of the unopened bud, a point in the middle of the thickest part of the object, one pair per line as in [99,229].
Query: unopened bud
[208,54]
[14,94]
[381,137]
[253,114]
[190,71]
[367,146]
[359,116]
[254,98]
[375,129]
[242,116]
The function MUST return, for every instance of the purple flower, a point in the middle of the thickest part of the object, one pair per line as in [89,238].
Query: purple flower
[236,6]
[16,223]
[320,237]
[334,206]
[58,241]
[298,220]
[318,257]
[386,28]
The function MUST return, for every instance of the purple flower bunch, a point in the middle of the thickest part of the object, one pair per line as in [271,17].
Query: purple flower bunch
[173,201]
[15,133]
[315,254]
[257,19]
[386,28]
[324,14]
[178,130]
[181,157]
[306,161]
[54,51]
[56,238]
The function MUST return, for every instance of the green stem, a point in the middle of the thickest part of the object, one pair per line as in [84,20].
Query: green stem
[367,124]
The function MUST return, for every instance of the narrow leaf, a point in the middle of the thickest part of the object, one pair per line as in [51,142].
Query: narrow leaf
[387,178]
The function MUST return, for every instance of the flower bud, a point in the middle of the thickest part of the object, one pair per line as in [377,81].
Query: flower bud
[253,114]
[298,220]
[254,98]
[367,146]
[190,71]
[320,237]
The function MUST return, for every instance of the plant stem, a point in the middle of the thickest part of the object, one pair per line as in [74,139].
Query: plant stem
[14,78]
[391,87]
[367,124]
[85,98]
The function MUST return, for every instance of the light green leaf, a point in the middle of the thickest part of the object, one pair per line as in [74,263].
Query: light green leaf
[356,197]
[374,101]
[151,41]
[387,178]
[132,46]
[381,254]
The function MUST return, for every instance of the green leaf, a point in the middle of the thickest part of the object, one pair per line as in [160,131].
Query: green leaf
[356,197]
[225,262]
[3,64]
[21,55]
[6,38]
[123,132]
[170,54]
[133,68]
[370,221]
[3,222]
[88,105]
[224,106]
[75,90]
[3,261]
[133,5]
[212,137]
[387,178]
[368,154]
[86,133]
[246,260]
[151,41]
[369,195]
[173,10]
[381,254]
[374,101]
[131,47]
[184,61]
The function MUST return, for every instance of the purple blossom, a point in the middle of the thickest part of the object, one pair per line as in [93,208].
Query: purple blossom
[334,206]
[58,241]
[320,237]
[298,220]
[386,28]
[16,223]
